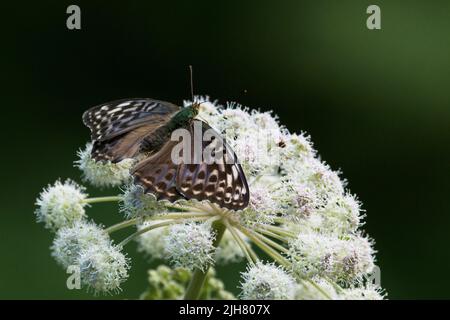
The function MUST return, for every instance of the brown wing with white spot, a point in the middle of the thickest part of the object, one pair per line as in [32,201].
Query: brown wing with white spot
[157,174]
[118,127]
[221,181]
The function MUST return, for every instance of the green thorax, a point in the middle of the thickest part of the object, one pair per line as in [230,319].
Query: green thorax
[183,117]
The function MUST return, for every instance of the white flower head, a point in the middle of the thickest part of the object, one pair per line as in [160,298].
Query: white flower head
[267,282]
[340,259]
[136,203]
[207,107]
[316,289]
[296,147]
[254,136]
[326,181]
[300,198]
[318,177]
[70,241]
[190,245]
[235,119]
[341,215]
[263,206]
[103,174]
[152,243]
[369,292]
[266,120]
[61,204]
[103,268]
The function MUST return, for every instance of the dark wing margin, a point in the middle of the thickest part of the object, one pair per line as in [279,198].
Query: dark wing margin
[118,127]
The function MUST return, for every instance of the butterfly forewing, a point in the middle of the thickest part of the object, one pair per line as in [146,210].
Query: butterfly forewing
[118,127]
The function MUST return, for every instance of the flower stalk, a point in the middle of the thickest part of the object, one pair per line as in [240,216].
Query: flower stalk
[246,249]
[103,199]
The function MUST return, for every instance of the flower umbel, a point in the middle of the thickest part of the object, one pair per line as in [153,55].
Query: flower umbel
[70,241]
[103,268]
[267,282]
[190,245]
[135,203]
[103,174]
[302,221]
[61,204]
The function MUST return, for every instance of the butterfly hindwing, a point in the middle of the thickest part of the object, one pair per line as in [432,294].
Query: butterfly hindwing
[221,181]
[157,174]
[118,127]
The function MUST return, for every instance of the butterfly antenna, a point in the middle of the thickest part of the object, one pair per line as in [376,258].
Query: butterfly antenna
[192,83]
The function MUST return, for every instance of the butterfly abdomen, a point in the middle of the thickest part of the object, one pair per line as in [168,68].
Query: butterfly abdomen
[160,136]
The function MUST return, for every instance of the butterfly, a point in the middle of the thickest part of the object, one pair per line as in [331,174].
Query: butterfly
[141,129]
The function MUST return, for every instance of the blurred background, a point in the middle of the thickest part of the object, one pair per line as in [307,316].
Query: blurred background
[376,103]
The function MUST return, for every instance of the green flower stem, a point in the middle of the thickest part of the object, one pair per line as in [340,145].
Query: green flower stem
[271,243]
[198,277]
[103,199]
[169,216]
[318,288]
[181,215]
[266,248]
[144,230]
[250,255]
[335,286]
[251,251]
[122,225]
[271,234]
[280,231]
[257,239]
[154,226]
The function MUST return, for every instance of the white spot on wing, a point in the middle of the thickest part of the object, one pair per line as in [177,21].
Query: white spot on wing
[229,179]
[114,110]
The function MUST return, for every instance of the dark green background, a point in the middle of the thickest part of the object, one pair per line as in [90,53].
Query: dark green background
[377,104]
